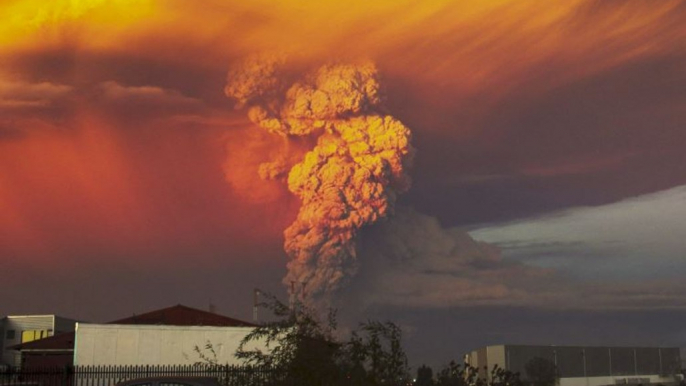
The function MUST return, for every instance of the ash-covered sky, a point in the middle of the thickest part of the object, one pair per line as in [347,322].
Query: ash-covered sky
[547,185]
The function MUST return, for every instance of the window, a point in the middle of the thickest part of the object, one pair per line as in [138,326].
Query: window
[31,335]
[10,335]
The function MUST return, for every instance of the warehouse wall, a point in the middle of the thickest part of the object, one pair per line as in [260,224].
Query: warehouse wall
[588,366]
[575,362]
[601,381]
[112,344]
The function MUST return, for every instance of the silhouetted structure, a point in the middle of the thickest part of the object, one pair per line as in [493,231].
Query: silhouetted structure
[58,350]
[587,366]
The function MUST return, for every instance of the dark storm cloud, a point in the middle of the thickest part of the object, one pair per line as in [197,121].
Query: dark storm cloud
[9,133]
[606,137]
[438,268]
[20,94]
[25,104]
[79,67]
[134,104]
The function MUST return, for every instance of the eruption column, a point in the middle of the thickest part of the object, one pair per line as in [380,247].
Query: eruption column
[350,178]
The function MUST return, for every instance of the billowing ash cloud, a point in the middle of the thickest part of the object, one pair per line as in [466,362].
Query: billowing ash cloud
[350,179]
[412,261]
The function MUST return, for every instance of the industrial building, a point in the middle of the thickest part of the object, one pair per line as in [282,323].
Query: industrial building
[162,336]
[18,329]
[586,366]
[130,344]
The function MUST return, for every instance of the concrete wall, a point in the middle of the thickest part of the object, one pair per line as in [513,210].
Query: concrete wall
[496,357]
[485,358]
[587,366]
[519,356]
[481,362]
[119,344]
[601,381]
[582,362]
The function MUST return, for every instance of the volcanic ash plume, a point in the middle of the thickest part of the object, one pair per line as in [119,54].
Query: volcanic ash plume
[350,178]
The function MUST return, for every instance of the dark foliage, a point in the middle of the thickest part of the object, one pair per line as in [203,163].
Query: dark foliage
[301,350]
[466,375]
[307,351]
[425,376]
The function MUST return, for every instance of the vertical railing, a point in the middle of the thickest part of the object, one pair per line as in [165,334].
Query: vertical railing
[227,375]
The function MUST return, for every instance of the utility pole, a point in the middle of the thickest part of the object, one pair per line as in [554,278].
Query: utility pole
[256,293]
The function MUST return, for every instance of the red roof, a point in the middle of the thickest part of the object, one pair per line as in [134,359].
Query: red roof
[172,316]
[63,341]
[183,316]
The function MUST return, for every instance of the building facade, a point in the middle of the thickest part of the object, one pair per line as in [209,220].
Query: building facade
[164,336]
[19,329]
[130,344]
[586,366]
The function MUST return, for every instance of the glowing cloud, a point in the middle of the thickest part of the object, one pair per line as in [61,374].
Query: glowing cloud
[35,22]
[351,177]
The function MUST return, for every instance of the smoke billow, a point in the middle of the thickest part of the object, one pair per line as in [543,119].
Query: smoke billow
[411,260]
[352,176]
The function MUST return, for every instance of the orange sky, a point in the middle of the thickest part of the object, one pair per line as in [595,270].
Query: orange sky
[69,165]
[115,133]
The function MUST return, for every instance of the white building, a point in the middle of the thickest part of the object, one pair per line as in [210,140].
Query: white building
[587,366]
[164,336]
[131,344]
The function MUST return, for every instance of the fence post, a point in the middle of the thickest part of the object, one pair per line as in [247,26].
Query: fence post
[66,375]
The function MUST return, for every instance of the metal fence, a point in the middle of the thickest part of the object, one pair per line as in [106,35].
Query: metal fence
[111,375]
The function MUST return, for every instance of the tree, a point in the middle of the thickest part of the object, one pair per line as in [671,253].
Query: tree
[425,376]
[297,345]
[306,351]
[376,347]
[457,375]
[452,375]
[502,377]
